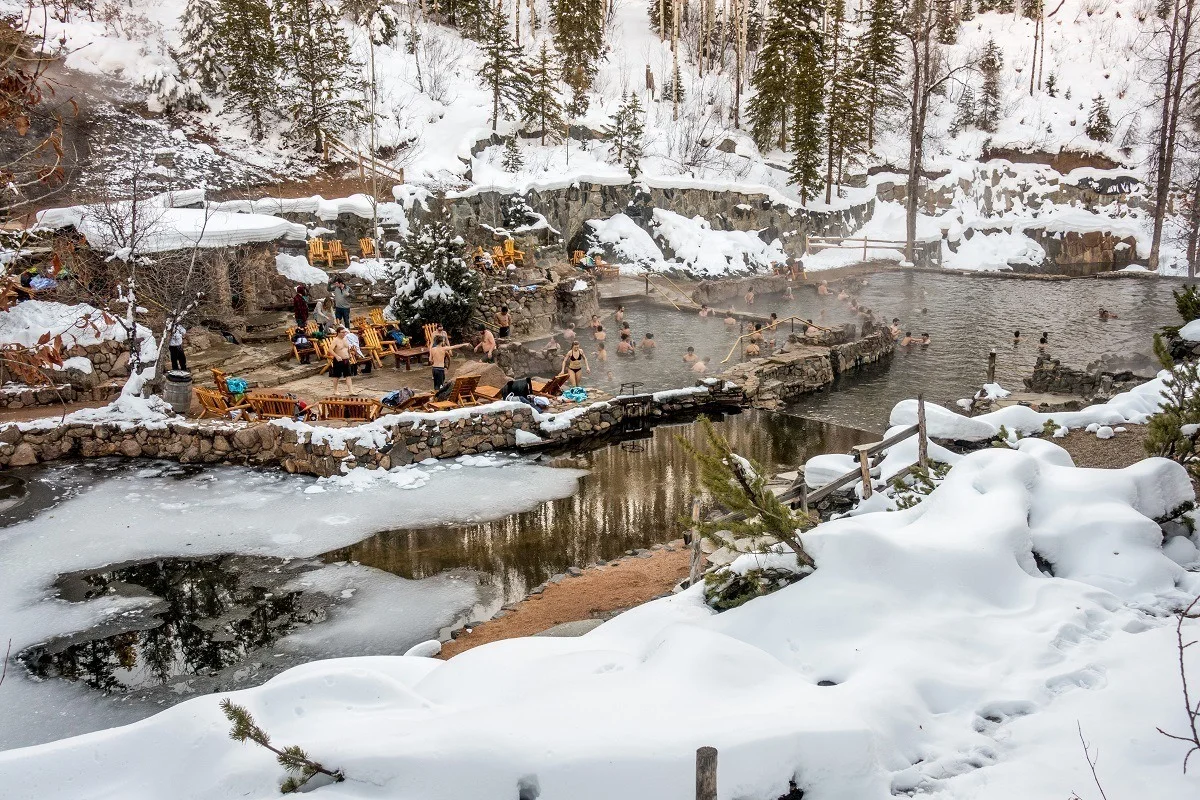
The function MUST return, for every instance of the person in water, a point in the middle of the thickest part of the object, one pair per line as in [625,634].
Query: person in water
[787,293]
[569,333]
[620,315]
[1016,337]
[700,367]
[750,296]
[823,287]
[1106,315]
[648,344]
[690,356]
[753,350]
[599,333]
[595,322]
[575,362]
[924,341]
[908,339]
[625,346]
[730,319]
[705,310]
[1044,342]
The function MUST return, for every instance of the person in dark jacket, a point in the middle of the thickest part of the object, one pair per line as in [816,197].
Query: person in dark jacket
[300,307]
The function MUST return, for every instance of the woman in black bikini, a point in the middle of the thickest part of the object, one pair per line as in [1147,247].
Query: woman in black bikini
[574,362]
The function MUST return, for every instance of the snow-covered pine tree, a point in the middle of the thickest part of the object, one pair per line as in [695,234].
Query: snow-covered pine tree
[879,52]
[1051,85]
[626,134]
[512,161]
[947,21]
[579,40]
[541,106]
[846,125]
[668,91]
[964,116]
[966,11]
[433,281]
[503,71]
[1031,9]
[469,16]
[252,63]
[989,104]
[1099,125]
[1004,7]
[789,84]
[322,89]
[984,6]
[200,32]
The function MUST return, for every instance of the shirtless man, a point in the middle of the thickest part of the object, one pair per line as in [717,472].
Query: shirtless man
[439,357]
[823,287]
[574,362]
[908,339]
[625,346]
[690,356]
[595,322]
[600,335]
[504,322]
[569,333]
[705,310]
[620,315]
[648,343]
[699,367]
[340,370]
[487,343]
[750,296]
[753,350]
[730,319]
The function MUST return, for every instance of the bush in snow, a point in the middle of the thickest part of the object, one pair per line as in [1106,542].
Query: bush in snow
[518,213]
[910,489]
[433,281]
[727,588]
[1099,125]
[300,767]
[738,486]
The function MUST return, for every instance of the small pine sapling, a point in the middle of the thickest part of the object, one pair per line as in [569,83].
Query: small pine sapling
[512,160]
[1099,125]
[300,767]
[1051,85]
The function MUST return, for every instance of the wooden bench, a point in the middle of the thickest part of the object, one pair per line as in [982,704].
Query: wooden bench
[366,248]
[462,394]
[276,406]
[216,404]
[358,409]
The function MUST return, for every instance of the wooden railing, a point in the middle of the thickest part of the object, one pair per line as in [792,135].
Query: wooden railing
[771,326]
[817,243]
[365,162]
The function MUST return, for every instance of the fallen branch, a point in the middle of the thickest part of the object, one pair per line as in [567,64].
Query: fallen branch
[1192,711]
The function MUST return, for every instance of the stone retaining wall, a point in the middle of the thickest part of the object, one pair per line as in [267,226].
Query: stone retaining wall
[871,349]
[13,397]
[391,441]
[538,310]
[1050,376]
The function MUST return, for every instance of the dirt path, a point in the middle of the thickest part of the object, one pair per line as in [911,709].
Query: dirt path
[596,592]
[1120,451]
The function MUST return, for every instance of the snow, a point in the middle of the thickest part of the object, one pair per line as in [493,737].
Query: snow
[163,226]
[995,251]
[708,252]
[81,324]
[625,240]
[371,269]
[961,670]
[297,269]
[1191,331]
[227,509]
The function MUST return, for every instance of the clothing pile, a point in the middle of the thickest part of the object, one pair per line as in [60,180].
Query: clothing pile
[576,394]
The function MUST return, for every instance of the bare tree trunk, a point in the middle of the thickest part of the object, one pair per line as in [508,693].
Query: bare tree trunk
[829,127]
[662,20]
[517,22]
[1194,230]
[742,31]
[1177,62]
[675,76]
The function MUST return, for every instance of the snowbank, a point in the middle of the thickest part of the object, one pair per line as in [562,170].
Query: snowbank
[706,251]
[994,251]
[626,240]
[1191,331]
[297,269]
[81,324]
[958,669]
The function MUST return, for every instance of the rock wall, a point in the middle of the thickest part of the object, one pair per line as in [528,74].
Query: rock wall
[519,361]
[1073,253]
[1050,376]
[772,381]
[391,441]
[13,397]
[871,349]
[538,310]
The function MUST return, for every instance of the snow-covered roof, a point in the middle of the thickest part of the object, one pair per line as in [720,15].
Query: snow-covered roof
[164,225]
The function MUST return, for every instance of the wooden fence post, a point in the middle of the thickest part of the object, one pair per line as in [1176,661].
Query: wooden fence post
[922,435]
[706,773]
[991,372]
[864,464]
[647,284]
[697,554]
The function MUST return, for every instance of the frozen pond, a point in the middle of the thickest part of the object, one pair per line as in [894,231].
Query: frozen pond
[129,586]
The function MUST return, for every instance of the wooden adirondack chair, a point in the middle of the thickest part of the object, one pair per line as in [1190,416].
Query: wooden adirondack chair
[415,402]
[430,331]
[377,346]
[310,351]
[316,251]
[366,248]
[335,251]
[359,409]
[577,258]
[323,352]
[551,388]
[498,256]
[376,315]
[276,406]
[219,378]
[213,403]
[513,255]
[462,394]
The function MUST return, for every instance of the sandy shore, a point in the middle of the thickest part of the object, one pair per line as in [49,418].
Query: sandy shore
[597,592]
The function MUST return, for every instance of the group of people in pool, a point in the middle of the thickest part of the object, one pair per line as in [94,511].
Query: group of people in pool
[575,362]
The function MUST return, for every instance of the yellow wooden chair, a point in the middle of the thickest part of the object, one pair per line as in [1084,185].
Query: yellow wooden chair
[335,251]
[513,255]
[498,256]
[218,405]
[366,248]
[317,251]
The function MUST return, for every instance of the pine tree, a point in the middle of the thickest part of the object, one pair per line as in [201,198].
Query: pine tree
[579,40]
[947,22]
[469,16]
[1032,9]
[322,91]
[1004,6]
[433,281]
[989,105]
[541,106]
[964,116]
[967,12]
[1051,85]
[300,767]
[846,126]
[1099,125]
[668,91]
[512,161]
[986,6]
[503,70]
[626,134]
[879,50]
[789,106]
[201,35]
[252,63]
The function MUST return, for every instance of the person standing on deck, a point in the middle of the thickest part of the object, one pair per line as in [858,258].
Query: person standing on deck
[340,369]
[503,322]
[487,343]
[300,307]
[341,301]
[574,362]
[175,346]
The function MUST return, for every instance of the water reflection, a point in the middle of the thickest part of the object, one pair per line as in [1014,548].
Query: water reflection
[628,500]
[205,615]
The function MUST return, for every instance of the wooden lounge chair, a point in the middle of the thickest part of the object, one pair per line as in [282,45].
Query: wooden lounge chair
[221,380]
[366,248]
[488,393]
[462,394]
[276,406]
[413,403]
[335,251]
[310,351]
[359,409]
[513,255]
[551,388]
[377,347]
[316,251]
[215,404]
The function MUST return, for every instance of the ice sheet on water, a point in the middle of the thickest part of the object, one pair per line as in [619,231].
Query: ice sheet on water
[144,512]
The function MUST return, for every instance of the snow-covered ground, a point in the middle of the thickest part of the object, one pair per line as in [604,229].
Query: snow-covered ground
[150,512]
[927,653]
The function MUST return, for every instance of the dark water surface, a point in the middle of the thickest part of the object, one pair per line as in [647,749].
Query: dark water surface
[636,494]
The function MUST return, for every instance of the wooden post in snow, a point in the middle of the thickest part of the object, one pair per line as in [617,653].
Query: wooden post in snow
[697,555]
[991,372]
[864,464]
[922,434]
[706,773]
